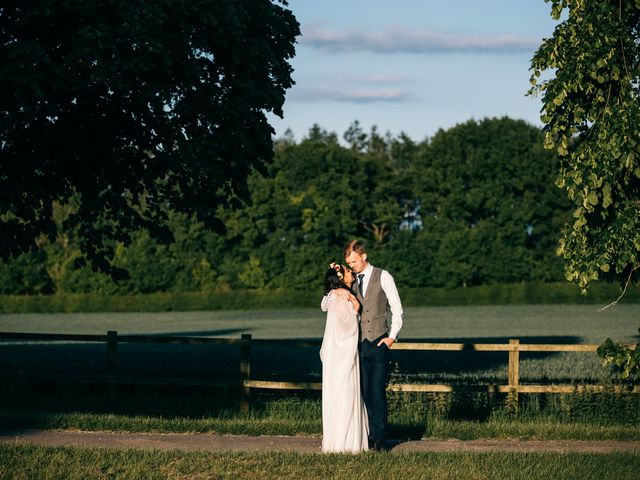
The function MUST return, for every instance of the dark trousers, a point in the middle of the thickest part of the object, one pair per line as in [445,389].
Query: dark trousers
[374,372]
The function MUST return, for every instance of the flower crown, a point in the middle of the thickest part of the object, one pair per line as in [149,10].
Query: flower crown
[336,267]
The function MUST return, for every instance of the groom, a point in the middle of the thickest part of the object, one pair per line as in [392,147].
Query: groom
[376,291]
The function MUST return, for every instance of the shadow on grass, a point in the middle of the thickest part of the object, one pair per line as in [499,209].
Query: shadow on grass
[403,432]
[268,362]
[41,404]
[55,405]
[303,364]
[467,360]
[38,403]
[226,332]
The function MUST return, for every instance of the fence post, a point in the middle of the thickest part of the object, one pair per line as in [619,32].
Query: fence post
[514,375]
[491,397]
[112,358]
[245,371]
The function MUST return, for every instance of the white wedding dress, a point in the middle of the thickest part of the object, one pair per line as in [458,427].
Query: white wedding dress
[345,427]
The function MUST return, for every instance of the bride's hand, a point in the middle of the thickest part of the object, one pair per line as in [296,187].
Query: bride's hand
[356,304]
[341,292]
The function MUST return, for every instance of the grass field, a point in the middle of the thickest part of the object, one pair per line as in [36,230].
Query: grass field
[79,463]
[415,415]
[295,417]
[583,323]
[478,324]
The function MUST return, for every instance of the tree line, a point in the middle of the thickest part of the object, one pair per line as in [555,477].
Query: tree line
[475,204]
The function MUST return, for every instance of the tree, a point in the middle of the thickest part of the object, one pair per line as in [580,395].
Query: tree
[488,203]
[316,196]
[591,112]
[301,210]
[474,205]
[134,108]
[26,274]
[592,117]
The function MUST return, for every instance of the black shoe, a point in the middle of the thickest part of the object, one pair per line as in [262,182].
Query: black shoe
[378,446]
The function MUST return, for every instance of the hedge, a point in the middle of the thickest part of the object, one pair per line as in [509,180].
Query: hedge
[501,294]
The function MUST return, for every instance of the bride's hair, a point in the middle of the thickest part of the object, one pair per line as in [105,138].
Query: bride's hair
[333,278]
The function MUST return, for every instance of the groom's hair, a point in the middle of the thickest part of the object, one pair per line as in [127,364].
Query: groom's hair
[354,246]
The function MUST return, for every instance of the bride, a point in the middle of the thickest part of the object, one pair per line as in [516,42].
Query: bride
[344,418]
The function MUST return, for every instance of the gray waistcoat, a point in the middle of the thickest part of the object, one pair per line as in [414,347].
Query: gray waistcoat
[373,322]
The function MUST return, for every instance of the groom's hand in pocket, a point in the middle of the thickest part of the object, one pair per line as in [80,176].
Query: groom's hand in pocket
[388,341]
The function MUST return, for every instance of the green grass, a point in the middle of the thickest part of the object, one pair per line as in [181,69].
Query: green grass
[581,322]
[141,424]
[481,324]
[410,417]
[543,428]
[26,462]
[414,415]
[499,294]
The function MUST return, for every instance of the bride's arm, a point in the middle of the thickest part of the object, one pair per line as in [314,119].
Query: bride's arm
[343,293]
[346,317]
[329,297]
[340,293]
[324,306]
[355,303]
[348,296]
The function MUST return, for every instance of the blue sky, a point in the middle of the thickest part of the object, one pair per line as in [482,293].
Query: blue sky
[412,66]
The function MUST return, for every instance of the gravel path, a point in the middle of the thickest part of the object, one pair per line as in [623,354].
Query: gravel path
[242,443]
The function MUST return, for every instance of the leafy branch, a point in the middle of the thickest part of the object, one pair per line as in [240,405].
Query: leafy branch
[623,359]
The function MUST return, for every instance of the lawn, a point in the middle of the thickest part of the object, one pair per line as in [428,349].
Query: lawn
[471,324]
[411,415]
[583,323]
[294,417]
[79,463]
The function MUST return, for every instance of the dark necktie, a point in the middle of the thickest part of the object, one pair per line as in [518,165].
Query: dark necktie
[360,284]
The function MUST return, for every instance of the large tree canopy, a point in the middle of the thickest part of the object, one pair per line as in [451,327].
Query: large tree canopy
[132,108]
[473,205]
[591,112]
[488,202]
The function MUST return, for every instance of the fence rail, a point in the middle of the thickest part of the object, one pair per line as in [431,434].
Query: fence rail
[512,388]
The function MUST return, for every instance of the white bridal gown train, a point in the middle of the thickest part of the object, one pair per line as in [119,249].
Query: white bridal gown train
[345,427]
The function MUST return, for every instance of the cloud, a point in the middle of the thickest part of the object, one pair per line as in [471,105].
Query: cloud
[404,41]
[360,95]
[375,79]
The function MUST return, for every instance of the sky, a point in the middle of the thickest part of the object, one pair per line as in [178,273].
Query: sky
[412,66]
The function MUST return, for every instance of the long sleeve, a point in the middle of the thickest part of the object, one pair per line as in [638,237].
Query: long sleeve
[389,287]
[326,300]
[341,327]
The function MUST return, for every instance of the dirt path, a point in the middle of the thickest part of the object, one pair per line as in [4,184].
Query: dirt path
[242,443]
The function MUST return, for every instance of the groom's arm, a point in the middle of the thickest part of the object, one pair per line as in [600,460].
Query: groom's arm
[391,291]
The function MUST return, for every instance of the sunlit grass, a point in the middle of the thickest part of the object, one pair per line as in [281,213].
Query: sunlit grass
[410,417]
[583,322]
[471,324]
[83,463]
[414,415]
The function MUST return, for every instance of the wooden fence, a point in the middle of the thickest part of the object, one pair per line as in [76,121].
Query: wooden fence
[512,388]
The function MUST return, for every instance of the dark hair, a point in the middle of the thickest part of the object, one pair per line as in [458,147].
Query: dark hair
[331,279]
